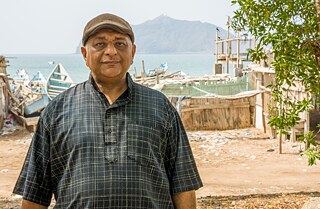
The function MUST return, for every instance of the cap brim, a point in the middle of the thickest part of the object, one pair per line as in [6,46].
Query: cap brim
[105,26]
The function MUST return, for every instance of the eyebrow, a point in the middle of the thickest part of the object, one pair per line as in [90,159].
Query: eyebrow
[115,39]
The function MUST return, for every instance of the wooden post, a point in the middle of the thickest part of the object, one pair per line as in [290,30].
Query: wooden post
[216,66]
[217,47]
[238,50]
[217,52]
[2,114]
[3,65]
[280,143]
[143,73]
[135,71]
[6,96]
[263,106]
[222,47]
[228,46]
[157,77]
[22,109]
[280,137]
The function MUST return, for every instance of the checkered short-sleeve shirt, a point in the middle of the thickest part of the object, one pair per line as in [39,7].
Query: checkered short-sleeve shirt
[131,154]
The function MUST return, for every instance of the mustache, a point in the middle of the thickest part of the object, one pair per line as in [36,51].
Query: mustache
[110,60]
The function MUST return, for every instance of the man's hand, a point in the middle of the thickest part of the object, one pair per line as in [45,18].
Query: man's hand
[31,205]
[185,200]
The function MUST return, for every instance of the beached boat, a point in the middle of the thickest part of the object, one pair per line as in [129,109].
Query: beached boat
[162,69]
[35,103]
[38,82]
[30,103]
[33,97]
[58,81]
[21,77]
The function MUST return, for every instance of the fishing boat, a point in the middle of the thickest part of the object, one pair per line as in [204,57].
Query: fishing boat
[58,81]
[30,103]
[162,69]
[21,77]
[35,103]
[33,97]
[38,82]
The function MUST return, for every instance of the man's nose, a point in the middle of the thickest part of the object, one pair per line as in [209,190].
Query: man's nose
[110,50]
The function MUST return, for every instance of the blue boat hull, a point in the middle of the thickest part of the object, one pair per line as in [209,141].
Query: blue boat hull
[35,108]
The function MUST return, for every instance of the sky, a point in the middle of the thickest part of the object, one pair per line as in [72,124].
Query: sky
[56,26]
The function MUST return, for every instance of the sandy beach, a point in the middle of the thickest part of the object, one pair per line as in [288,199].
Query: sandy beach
[231,163]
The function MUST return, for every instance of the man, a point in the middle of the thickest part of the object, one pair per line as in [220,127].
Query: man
[109,142]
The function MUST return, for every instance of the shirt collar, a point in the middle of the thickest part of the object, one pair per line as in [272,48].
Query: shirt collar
[130,83]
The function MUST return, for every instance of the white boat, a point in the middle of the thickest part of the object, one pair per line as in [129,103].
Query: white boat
[58,81]
[21,77]
[38,82]
[38,99]
[162,69]
[32,95]
[51,62]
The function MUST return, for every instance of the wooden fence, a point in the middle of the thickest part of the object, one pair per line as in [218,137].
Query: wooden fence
[203,113]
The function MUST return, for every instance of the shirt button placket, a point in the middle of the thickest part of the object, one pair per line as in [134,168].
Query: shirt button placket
[110,141]
[109,131]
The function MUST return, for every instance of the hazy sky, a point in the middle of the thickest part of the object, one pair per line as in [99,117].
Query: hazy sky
[55,26]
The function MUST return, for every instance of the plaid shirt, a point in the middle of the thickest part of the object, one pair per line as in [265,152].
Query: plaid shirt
[89,154]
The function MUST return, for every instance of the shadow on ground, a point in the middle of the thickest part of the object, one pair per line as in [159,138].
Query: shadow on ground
[275,201]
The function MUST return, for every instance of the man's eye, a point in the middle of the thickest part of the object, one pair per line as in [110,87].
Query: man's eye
[99,44]
[120,44]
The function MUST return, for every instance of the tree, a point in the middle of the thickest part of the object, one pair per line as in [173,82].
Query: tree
[291,28]
[317,4]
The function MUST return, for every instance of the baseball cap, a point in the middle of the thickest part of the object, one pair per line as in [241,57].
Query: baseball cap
[106,21]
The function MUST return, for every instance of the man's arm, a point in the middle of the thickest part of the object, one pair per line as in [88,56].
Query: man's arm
[185,200]
[31,205]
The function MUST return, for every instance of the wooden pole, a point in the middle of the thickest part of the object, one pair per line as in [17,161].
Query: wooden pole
[217,47]
[135,71]
[3,65]
[222,48]
[143,69]
[157,78]
[238,51]
[2,114]
[280,137]
[280,143]
[263,107]
[228,47]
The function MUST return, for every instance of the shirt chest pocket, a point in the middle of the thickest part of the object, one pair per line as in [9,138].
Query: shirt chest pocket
[145,145]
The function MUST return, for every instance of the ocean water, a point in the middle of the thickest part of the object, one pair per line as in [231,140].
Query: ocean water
[192,64]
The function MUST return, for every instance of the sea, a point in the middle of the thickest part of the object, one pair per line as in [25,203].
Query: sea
[190,64]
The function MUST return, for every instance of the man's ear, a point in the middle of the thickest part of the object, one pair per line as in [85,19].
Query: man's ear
[84,53]
[133,51]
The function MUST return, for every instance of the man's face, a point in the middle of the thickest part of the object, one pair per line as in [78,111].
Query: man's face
[109,55]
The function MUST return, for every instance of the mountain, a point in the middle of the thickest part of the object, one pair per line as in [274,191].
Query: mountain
[167,35]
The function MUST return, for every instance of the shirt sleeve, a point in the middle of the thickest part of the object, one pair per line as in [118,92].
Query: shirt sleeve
[180,164]
[34,181]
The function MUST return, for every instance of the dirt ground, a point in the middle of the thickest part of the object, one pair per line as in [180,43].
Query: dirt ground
[239,168]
